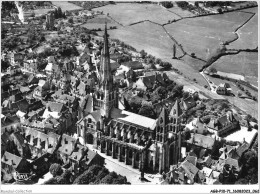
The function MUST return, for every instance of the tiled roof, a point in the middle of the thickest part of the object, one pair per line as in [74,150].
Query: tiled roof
[192,159]
[96,115]
[189,168]
[202,141]
[241,149]
[11,159]
[67,144]
[232,162]
[56,107]
[134,64]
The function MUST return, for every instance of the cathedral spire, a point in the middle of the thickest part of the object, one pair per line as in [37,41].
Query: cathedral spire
[106,76]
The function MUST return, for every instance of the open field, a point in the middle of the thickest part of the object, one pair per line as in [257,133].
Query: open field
[243,63]
[99,22]
[248,34]
[202,35]
[66,6]
[147,36]
[128,13]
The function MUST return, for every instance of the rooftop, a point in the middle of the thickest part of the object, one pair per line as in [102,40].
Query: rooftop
[133,118]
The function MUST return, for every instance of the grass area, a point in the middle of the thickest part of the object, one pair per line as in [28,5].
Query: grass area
[66,6]
[243,63]
[202,35]
[128,13]
[248,34]
[148,36]
[188,71]
[99,22]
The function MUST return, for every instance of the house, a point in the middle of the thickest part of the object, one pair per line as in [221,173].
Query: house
[41,165]
[12,70]
[73,154]
[11,164]
[32,79]
[198,127]
[20,143]
[41,143]
[224,125]
[224,89]
[188,103]
[16,57]
[188,170]
[9,124]
[42,89]
[7,144]
[52,68]
[31,65]
[199,142]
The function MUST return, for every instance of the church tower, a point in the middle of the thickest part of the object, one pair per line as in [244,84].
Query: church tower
[106,94]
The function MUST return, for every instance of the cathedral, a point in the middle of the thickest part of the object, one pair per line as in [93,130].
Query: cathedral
[150,145]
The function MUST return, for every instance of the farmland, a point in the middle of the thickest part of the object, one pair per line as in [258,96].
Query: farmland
[66,6]
[202,35]
[99,22]
[148,36]
[247,34]
[129,13]
[243,63]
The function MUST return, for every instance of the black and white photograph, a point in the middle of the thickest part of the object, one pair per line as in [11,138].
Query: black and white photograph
[129,94]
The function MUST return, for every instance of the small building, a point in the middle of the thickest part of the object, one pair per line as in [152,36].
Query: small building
[224,125]
[224,89]
[11,164]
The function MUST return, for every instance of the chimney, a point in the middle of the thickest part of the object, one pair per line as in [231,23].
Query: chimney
[13,162]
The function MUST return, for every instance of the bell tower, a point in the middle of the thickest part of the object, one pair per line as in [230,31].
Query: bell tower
[106,94]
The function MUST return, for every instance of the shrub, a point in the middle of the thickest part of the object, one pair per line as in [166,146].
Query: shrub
[55,169]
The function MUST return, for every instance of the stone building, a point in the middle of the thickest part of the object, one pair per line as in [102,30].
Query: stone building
[142,142]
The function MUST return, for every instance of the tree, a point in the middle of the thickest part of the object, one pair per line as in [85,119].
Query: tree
[143,54]
[219,10]
[196,3]
[147,111]
[55,169]
[70,20]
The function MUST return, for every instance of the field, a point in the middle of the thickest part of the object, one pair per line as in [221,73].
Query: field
[248,34]
[147,36]
[202,35]
[129,13]
[243,63]
[66,6]
[99,22]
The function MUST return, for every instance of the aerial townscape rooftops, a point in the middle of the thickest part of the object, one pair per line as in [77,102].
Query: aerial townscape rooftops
[129,93]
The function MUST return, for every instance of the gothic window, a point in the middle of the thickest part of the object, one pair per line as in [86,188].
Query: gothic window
[102,96]
[161,129]
[98,95]
[161,138]
[174,121]
[89,120]
[174,111]
[171,120]
[174,129]
[161,120]
[170,127]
